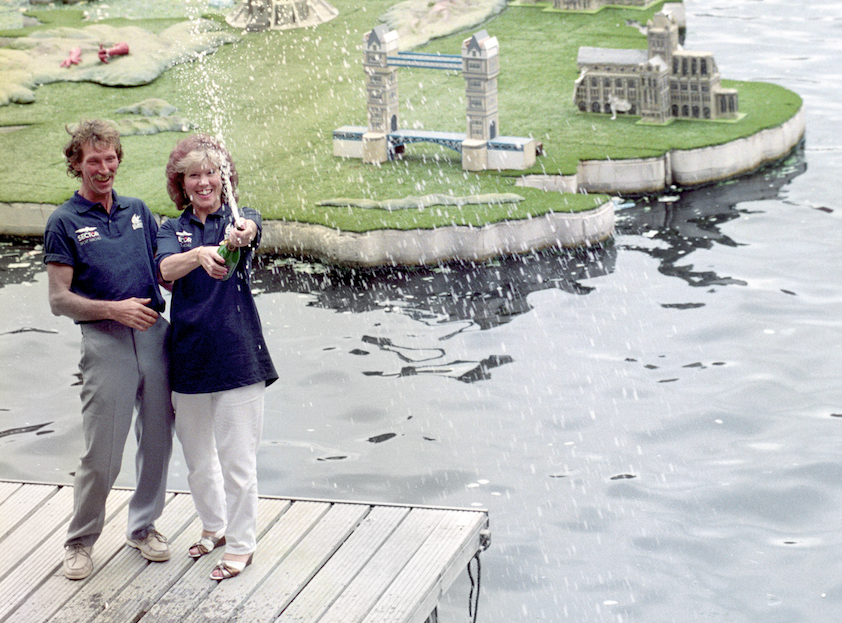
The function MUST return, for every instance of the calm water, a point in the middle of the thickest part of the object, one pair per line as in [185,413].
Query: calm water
[654,427]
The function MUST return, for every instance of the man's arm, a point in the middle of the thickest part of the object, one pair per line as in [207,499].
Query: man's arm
[131,312]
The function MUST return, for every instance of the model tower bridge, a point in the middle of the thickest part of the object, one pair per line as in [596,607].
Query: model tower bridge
[481,146]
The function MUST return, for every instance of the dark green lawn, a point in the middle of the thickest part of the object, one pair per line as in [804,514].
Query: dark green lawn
[278,96]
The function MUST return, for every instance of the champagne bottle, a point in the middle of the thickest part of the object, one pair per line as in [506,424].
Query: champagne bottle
[231,255]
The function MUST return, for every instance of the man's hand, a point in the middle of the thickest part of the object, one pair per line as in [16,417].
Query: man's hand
[131,312]
[134,313]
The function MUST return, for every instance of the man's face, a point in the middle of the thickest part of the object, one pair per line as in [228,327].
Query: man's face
[98,166]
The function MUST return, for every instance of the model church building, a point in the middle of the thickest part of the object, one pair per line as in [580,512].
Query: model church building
[592,5]
[659,84]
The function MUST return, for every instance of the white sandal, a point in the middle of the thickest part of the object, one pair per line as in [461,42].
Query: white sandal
[205,545]
[226,569]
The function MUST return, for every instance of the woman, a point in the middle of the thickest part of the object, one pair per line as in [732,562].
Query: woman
[220,365]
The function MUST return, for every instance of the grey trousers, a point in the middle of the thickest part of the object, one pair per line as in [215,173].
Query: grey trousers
[122,369]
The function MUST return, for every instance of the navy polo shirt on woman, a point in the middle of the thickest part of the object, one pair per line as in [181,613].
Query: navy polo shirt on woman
[217,339]
[112,254]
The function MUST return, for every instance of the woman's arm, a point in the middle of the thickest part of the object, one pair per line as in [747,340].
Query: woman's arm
[177,265]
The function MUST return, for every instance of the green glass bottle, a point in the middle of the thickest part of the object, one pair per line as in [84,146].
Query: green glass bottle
[231,255]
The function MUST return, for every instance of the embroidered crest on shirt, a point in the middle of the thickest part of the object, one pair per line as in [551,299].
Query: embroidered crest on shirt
[185,238]
[136,222]
[87,234]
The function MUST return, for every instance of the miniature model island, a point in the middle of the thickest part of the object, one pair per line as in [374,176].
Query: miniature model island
[337,113]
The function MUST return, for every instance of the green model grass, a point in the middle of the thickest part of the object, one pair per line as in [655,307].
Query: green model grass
[277,96]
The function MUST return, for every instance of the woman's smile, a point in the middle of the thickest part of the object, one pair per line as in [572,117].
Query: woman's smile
[203,185]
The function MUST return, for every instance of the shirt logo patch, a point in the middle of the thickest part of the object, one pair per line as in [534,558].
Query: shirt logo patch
[185,238]
[87,234]
[136,222]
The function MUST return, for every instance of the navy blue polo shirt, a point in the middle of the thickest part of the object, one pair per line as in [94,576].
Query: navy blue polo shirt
[112,254]
[217,341]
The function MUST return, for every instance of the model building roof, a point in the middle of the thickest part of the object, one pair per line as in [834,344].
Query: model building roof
[611,56]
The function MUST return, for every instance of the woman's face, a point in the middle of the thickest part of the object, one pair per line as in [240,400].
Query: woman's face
[203,185]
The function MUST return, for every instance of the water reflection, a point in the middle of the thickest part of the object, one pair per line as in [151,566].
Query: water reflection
[20,260]
[692,219]
[484,295]
[490,294]
[458,297]
[461,297]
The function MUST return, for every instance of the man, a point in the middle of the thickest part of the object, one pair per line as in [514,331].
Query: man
[99,249]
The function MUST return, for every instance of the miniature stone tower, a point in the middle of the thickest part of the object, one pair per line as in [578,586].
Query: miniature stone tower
[480,67]
[381,93]
[381,80]
[662,33]
[654,90]
[481,146]
[257,15]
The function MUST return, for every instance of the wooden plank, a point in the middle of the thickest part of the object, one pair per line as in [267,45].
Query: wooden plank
[103,591]
[185,596]
[24,501]
[273,548]
[7,489]
[473,542]
[55,590]
[20,542]
[364,591]
[297,569]
[151,585]
[335,576]
[416,590]
[316,562]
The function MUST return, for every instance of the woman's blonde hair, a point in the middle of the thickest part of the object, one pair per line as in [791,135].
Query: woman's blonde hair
[191,151]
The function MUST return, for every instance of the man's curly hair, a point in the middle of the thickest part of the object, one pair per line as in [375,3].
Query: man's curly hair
[96,132]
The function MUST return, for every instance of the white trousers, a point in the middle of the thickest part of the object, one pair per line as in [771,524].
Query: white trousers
[220,434]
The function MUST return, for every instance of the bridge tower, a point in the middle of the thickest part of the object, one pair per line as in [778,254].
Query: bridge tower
[480,67]
[481,146]
[382,92]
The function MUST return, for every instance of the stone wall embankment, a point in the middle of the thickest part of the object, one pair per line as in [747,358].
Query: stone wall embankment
[24,219]
[431,246]
[680,167]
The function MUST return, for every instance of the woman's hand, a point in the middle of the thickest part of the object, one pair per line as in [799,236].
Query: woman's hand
[212,262]
[243,233]
[177,265]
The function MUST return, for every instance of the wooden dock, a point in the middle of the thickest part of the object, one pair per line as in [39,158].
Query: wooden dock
[316,561]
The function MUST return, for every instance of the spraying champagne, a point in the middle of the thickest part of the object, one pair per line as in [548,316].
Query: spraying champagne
[229,252]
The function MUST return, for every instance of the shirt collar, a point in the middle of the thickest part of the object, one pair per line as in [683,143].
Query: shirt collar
[223,212]
[83,205]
